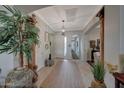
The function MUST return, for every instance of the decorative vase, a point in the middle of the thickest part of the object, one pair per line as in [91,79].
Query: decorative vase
[98,84]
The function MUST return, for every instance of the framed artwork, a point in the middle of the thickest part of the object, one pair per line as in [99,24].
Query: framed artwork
[92,43]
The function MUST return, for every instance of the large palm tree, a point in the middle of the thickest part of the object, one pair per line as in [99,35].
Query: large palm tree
[17,33]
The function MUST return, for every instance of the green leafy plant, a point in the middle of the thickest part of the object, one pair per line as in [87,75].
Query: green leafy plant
[98,71]
[17,33]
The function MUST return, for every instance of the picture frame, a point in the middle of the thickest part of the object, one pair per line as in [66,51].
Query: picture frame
[92,43]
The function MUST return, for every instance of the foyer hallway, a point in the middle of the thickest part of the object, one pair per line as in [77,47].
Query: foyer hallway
[64,74]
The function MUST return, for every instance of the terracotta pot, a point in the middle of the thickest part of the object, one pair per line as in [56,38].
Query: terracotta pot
[98,84]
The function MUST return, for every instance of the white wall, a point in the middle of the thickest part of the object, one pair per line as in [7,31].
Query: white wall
[112,34]
[121,29]
[93,34]
[41,52]
[6,63]
[121,39]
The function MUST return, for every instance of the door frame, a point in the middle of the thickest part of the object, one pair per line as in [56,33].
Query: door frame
[101,21]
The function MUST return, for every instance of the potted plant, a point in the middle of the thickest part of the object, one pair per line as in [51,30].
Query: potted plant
[98,73]
[18,34]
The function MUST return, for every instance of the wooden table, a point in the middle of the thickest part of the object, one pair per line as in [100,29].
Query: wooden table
[119,79]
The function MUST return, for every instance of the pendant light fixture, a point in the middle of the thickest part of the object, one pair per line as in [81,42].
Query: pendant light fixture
[63,28]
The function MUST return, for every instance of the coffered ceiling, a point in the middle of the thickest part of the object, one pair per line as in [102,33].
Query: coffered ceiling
[76,16]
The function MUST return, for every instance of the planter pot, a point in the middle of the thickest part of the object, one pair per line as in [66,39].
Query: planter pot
[20,77]
[98,84]
[49,62]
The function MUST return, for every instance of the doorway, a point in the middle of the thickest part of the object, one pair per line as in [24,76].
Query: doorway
[75,49]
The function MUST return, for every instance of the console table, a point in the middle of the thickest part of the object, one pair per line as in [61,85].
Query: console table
[119,79]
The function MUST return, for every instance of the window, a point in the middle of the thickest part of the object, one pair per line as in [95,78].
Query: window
[65,45]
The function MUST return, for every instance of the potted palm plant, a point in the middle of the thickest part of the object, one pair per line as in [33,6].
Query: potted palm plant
[98,73]
[18,34]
